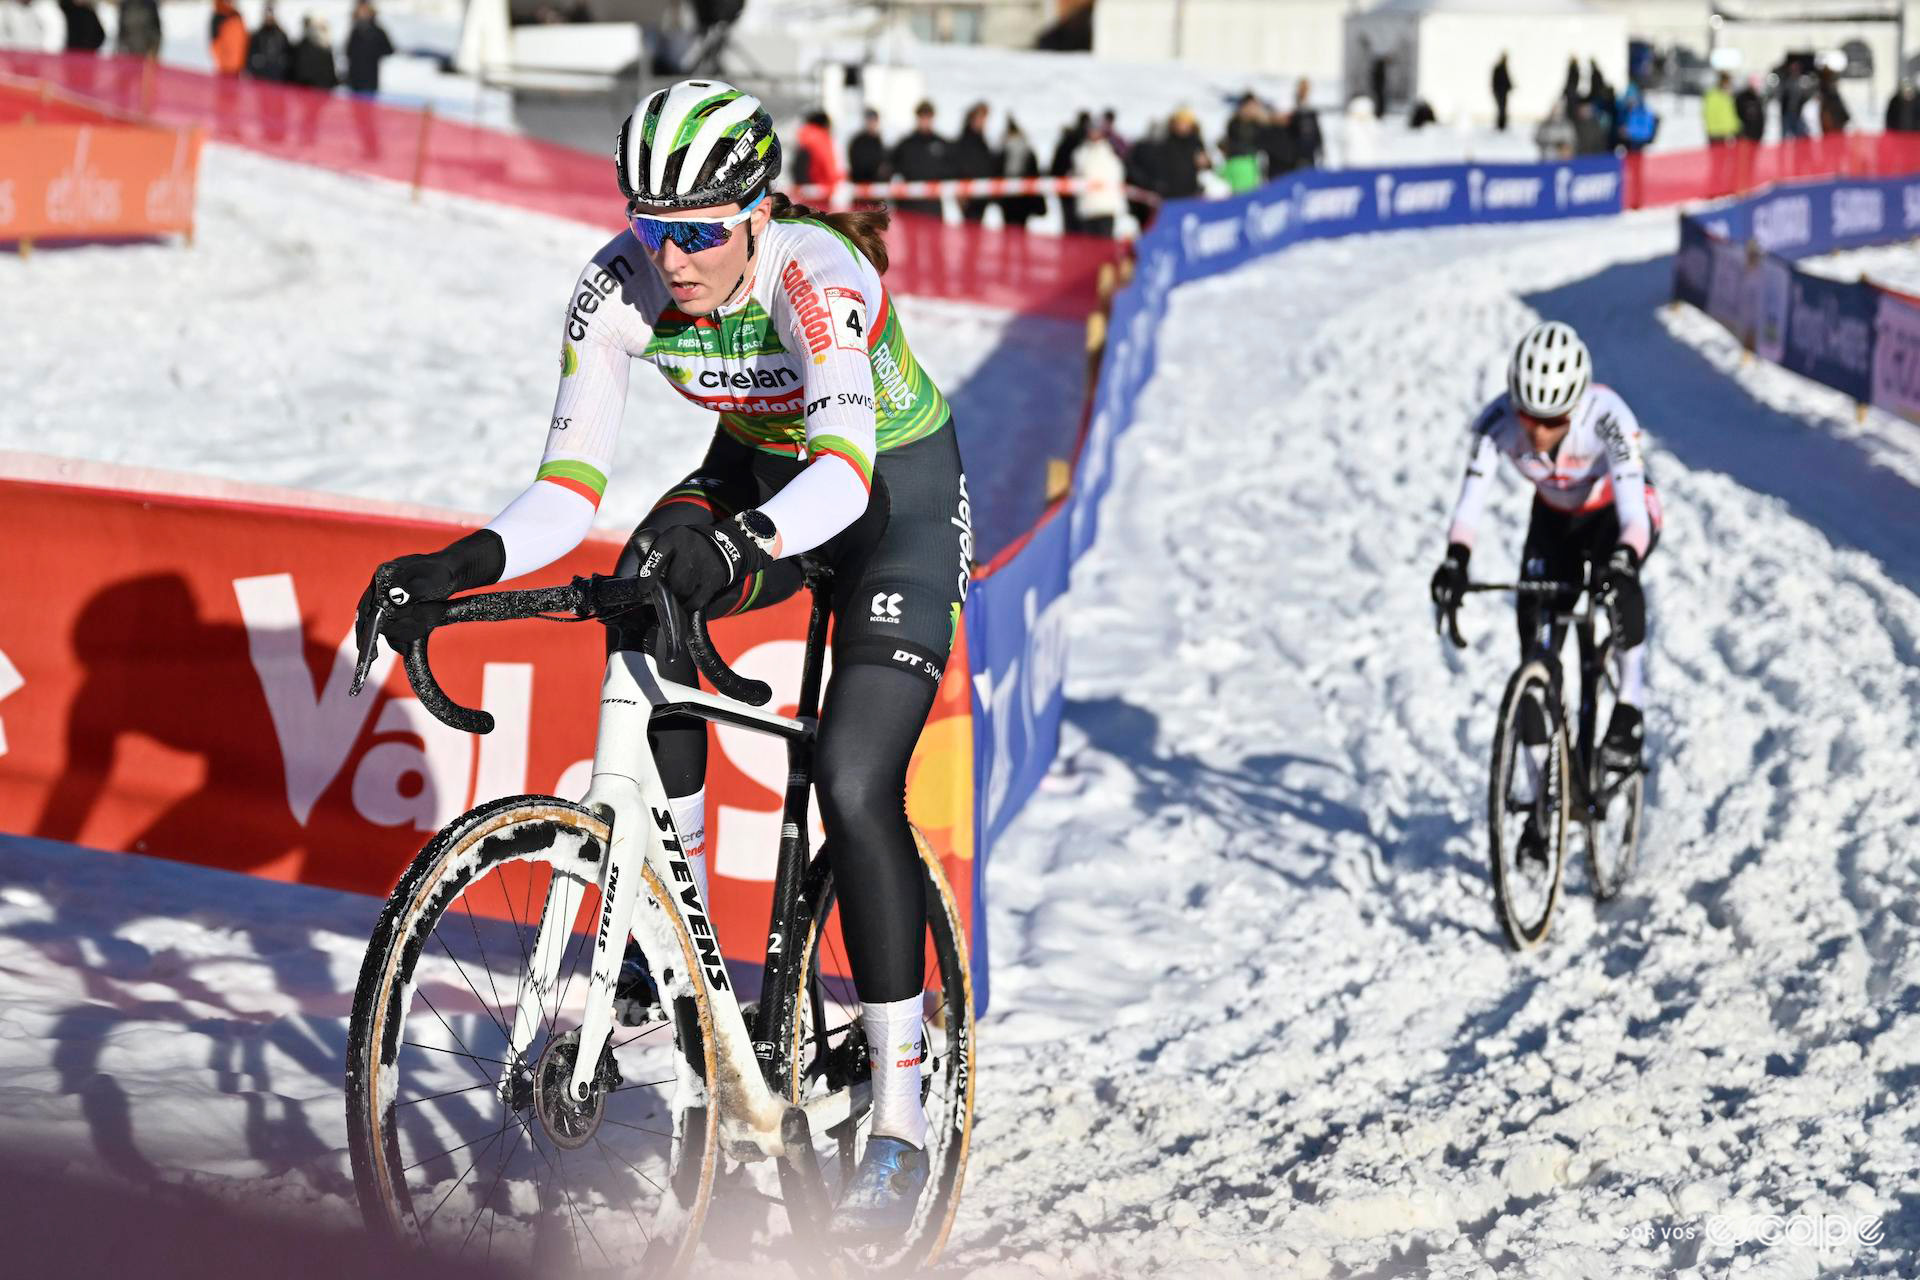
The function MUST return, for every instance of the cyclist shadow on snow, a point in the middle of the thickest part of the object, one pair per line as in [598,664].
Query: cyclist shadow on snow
[1710,422]
[1263,791]
[268,1055]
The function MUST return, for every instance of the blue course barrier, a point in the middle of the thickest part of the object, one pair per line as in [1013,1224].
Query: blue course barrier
[1016,621]
[1736,263]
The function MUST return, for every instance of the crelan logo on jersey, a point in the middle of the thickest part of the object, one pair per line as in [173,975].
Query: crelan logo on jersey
[816,323]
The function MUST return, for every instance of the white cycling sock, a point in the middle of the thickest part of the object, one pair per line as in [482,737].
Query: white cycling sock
[690,815]
[1633,675]
[896,1046]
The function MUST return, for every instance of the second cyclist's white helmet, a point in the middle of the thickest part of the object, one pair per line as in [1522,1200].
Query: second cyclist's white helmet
[1550,370]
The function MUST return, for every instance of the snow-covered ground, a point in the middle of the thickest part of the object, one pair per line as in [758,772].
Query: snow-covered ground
[1252,1014]
[1895,265]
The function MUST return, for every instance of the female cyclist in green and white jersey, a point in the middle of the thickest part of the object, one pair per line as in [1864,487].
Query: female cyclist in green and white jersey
[831,441]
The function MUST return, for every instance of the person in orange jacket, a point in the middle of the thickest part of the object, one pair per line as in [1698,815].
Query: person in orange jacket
[227,35]
[816,158]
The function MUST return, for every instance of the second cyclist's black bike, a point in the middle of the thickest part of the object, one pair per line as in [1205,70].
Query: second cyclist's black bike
[1548,772]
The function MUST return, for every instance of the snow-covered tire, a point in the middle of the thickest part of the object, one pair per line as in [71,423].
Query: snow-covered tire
[1524,895]
[950,1041]
[1613,842]
[538,831]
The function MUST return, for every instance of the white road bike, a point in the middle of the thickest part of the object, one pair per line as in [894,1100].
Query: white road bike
[501,1107]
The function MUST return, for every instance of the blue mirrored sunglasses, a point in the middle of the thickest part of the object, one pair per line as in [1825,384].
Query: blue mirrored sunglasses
[692,235]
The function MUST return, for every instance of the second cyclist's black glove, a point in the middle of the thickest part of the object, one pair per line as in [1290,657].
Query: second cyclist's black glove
[699,563]
[1620,583]
[1450,579]
[412,589]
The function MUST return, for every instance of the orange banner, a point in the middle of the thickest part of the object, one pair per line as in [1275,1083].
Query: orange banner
[173,675]
[87,181]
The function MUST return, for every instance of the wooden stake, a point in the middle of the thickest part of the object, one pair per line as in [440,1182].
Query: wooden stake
[420,152]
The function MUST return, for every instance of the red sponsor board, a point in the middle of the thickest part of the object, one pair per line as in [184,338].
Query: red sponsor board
[173,674]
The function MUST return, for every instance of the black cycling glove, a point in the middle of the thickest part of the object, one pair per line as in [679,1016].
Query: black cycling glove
[1620,583]
[1450,579]
[698,563]
[413,589]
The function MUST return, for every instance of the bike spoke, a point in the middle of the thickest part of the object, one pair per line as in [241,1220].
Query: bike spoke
[658,1133]
[457,1053]
[463,1177]
[462,1147]
[411,1102]
[636,1168]
[484,962]
[477,997]
[644,1234]
[464,1051]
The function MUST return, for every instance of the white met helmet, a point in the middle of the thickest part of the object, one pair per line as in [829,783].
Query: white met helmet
[1550,370]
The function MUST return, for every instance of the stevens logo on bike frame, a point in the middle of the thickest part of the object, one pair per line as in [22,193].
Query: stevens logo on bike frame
[703,936]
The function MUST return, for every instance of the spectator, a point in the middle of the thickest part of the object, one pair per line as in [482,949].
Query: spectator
[1570,91]
[1502,90]
[816,161]
[1717,112]
[1592,135]
[922,156]
[20,27]
[1098,164]
[1421,114]
[1903,110]
[1793,100]
[1555,136]
[1144,164]
[1275,140]
[1243,146]
[270,51]
[973,157]
[1600,97]
[867,153]
[1834,116]
[139,33]
[367,43]
[1752,110]
[84,32]
[1183,155]
[1304,124]
[1377,84]
[313,64]
[227,35]
[1017,160]
[1636,123]
[1069,142]
[1114,140]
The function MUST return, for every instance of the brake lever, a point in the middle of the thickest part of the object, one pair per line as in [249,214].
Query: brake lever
[366,637]
[1446,622]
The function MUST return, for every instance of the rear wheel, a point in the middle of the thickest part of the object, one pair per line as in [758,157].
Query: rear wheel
[828,1053]
[1527,805]
[1612,823]
[460,1147]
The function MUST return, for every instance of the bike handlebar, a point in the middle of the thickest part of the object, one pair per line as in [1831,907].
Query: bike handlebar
[594,597]
[1448,621]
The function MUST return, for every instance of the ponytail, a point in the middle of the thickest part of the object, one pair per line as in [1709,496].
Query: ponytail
[866,228]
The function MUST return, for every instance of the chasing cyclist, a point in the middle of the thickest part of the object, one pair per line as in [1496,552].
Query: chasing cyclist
[1595,515]
[831,441]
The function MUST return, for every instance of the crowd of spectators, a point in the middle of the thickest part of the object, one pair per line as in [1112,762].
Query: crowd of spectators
[1122,174]
[265,53]
[1590,116]
[1731,116]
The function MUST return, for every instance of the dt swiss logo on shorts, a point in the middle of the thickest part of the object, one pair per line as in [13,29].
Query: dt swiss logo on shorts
[815,321]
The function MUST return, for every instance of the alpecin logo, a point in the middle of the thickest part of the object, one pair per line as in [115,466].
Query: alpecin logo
[808,309]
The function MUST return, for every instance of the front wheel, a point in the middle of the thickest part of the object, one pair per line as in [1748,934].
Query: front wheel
[828,1055]
[1612,822]
[460,1145]
[1527,805]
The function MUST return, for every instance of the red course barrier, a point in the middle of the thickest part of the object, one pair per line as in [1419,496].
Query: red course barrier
[1710,173]
[173,673]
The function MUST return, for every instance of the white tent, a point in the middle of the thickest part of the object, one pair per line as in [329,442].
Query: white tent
[1443,51]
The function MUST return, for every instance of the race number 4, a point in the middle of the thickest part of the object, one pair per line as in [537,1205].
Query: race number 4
[849,318]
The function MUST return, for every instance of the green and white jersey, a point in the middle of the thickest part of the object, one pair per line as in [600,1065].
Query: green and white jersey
[811,364]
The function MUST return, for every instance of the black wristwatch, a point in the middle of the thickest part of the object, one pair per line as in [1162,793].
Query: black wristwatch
[758,525]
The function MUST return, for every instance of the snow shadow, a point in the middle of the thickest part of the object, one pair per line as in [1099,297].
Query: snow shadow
[1710,422]
[172,980]
[1019,407]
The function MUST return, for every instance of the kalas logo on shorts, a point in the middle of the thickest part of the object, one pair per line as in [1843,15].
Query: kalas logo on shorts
[815,321]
